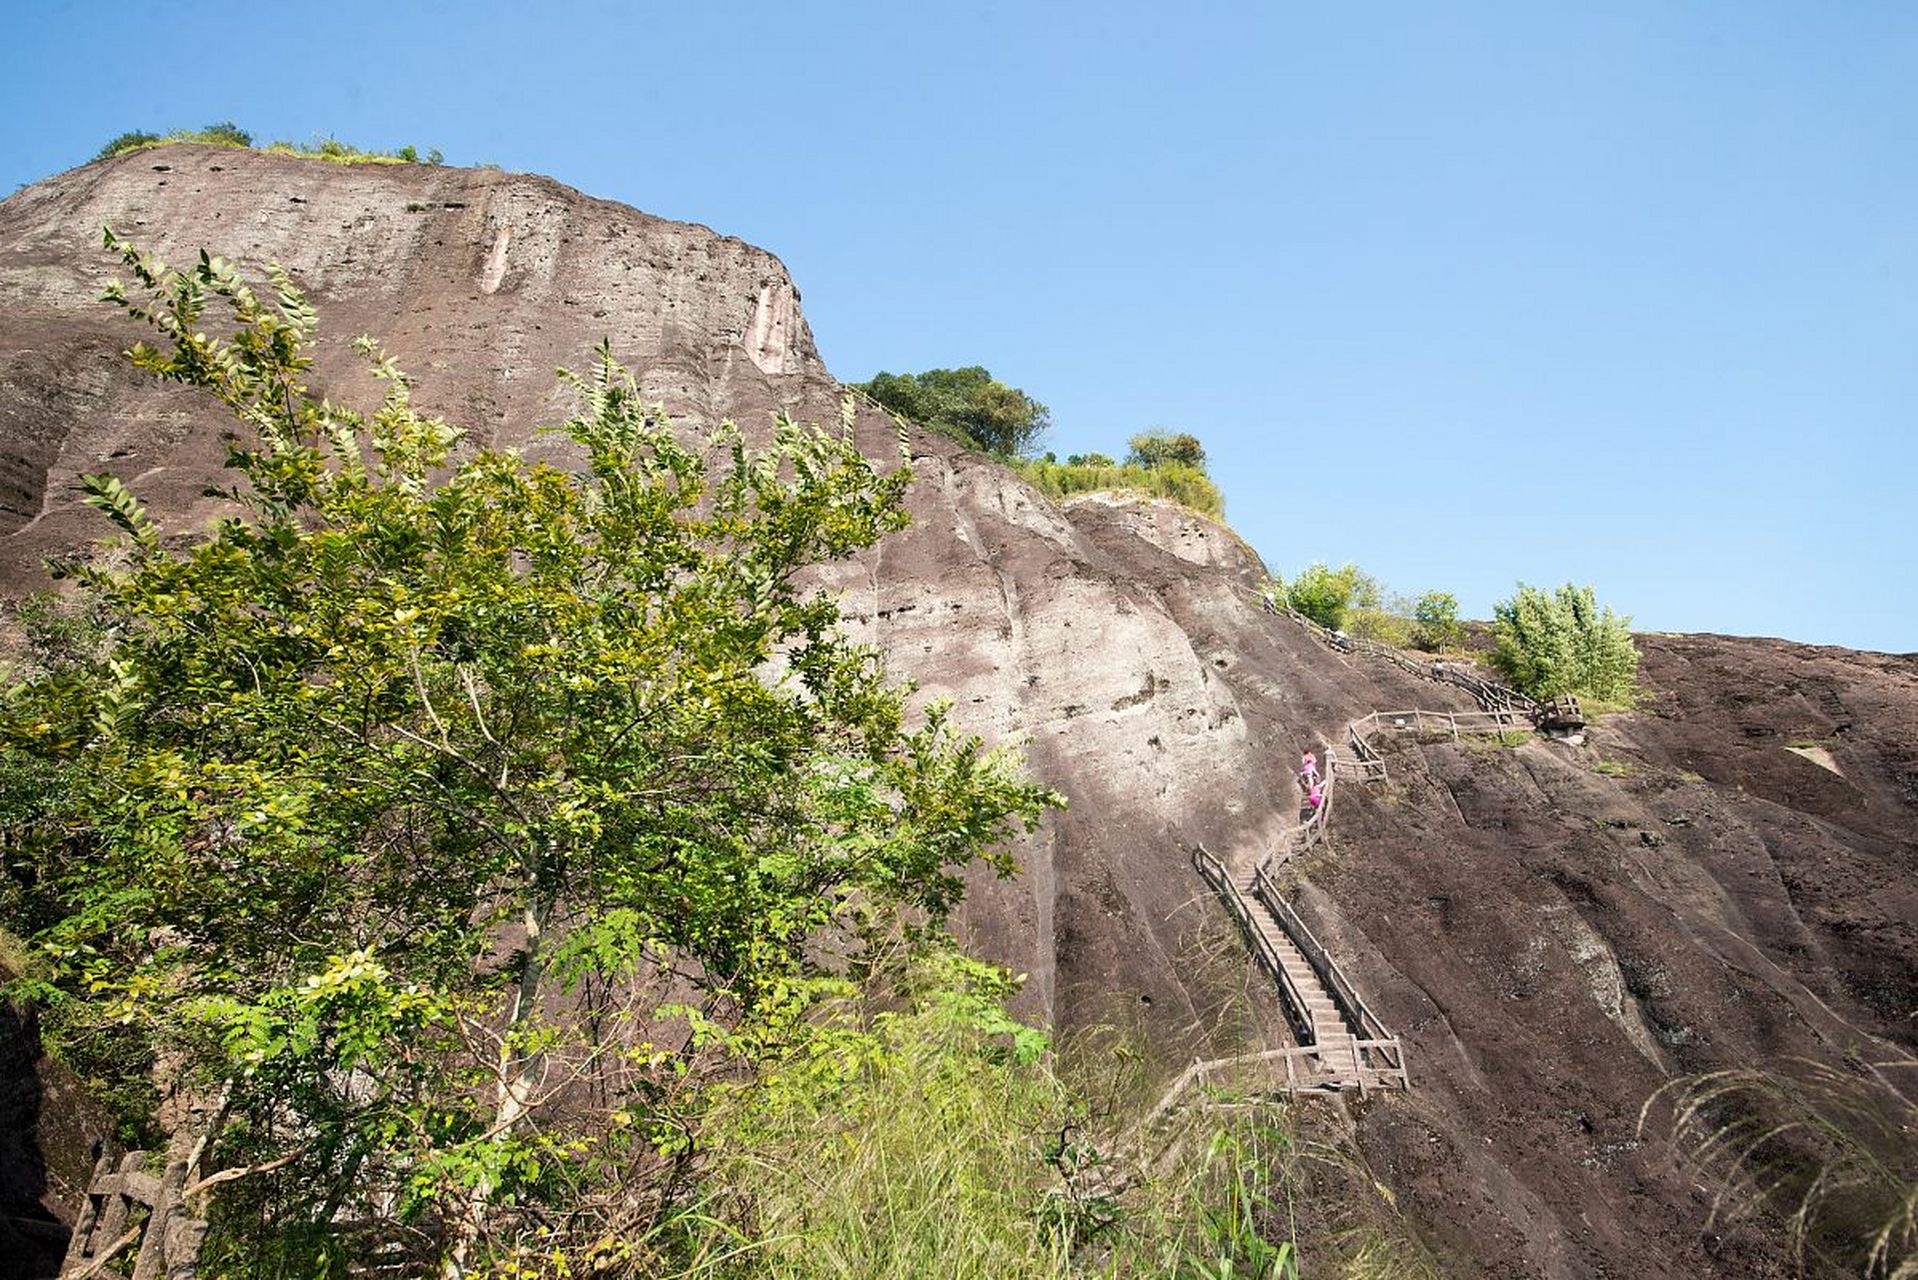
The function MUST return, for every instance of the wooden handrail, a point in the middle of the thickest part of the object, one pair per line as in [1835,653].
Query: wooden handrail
[1493,697]
[1373,1039]
[1214,873]
[1351,1005]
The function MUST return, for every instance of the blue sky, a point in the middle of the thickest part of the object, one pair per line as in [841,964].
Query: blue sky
[1470,293]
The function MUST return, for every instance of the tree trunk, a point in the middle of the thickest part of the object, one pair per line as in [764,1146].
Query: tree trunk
[517,1074]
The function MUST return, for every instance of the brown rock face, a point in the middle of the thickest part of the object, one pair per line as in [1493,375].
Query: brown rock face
[1551,942]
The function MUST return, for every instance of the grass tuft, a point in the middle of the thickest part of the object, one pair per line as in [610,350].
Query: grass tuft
[1829,1148]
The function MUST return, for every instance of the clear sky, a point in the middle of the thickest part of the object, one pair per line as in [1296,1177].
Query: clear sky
[1625,293]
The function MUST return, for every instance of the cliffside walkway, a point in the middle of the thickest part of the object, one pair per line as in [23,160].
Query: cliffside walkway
[1342,1043]
[1500,708]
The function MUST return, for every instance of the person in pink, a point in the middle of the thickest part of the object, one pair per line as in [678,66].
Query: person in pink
[1309,768]
[1315,797]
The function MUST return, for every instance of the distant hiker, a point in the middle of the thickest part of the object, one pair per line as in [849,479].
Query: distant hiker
[1315,797]
[1309,768]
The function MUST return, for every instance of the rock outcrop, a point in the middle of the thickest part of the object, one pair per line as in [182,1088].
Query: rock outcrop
[1552,942]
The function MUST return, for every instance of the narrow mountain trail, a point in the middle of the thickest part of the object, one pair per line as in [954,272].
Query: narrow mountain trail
[1342,1043]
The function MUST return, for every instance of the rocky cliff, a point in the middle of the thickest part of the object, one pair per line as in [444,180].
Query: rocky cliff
[1551,941]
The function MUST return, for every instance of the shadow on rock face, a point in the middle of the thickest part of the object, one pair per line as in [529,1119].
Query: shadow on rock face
[33,1239]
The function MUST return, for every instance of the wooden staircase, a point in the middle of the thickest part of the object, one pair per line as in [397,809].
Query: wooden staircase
[1342,1043]
[1331,1037]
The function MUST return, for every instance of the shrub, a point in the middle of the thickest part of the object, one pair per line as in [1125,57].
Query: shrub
[1327,595]
[934,1120]
[1554,643]
[225,134]
[332,148]
[131,140]
[1380,624]
[1435,624]
[380,800]
[1188,486]
[931,1135]
[1160,465]
[1156,447]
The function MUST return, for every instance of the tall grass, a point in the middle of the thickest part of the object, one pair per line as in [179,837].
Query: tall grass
[1830,1149]
[1187,485]
[926,1144]
[1219,1212]
[924,1155]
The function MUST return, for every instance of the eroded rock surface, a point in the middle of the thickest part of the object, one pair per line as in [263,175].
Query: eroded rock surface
[1552,942]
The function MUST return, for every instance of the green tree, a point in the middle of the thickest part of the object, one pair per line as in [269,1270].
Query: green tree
[394,809]
[1328,596]
[1435,623]
[1563,642]
[968,404]
[1156,447]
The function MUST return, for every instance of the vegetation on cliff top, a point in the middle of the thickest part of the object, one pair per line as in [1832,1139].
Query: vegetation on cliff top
[1188,486]
[1158,464]
[972,407]
[227,134]
[968,405]
[1547,644]
[1350,599]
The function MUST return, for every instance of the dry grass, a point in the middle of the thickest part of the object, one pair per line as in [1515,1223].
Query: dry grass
[1829,1149]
